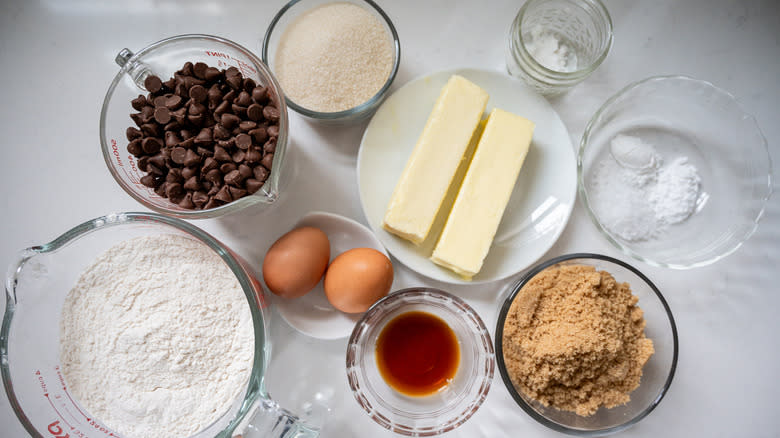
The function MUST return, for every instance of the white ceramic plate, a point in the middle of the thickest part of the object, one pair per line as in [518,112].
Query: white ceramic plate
[541,202]
[312,314]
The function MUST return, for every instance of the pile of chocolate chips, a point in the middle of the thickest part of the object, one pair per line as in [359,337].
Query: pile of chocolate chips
[205,137]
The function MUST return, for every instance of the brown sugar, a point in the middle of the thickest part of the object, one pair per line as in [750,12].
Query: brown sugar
[574,340]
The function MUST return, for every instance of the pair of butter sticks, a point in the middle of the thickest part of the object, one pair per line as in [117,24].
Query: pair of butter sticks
[484,191]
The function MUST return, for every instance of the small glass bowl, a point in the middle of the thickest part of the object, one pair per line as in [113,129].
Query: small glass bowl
[684,117]
[657,373]
[288,14]
[163,58]
[584,27]
[444,410]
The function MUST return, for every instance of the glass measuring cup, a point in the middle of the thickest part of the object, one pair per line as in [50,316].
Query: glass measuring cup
[163,58]
[36,287]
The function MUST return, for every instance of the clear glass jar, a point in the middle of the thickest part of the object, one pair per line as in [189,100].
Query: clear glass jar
[555,44]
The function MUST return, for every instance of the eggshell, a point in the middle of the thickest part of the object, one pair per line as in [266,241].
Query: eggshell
[296,262]
[357,278]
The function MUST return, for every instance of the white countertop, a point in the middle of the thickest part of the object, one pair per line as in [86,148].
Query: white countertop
[57,62]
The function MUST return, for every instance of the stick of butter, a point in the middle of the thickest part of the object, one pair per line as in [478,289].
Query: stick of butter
[431,167]
[482,198]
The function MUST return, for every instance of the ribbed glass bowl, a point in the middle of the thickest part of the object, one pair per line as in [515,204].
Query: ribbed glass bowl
[685,117]
[657,373]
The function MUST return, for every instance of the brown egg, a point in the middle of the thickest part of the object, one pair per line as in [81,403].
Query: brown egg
[357,278]
[295,263]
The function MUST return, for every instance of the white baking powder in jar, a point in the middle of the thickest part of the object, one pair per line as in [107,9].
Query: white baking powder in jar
[156,337]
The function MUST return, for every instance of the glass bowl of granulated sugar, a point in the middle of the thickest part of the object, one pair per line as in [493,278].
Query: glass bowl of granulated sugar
[335,61]
[674,172]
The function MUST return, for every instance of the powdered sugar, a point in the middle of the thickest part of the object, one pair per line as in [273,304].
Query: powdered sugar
[636,196]
[156,337]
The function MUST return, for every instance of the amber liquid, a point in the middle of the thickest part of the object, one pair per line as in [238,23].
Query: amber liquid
[417,353]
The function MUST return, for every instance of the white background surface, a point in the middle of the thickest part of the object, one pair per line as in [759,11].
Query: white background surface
[57,61]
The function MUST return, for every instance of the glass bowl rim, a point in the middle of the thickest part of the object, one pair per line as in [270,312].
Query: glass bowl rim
[585,140]
[483,334]
[504,310]
[356,110]
[238,204]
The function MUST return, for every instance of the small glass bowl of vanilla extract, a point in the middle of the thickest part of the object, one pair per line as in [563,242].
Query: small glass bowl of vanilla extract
[420,362]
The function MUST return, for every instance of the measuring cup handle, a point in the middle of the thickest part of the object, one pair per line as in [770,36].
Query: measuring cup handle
[15,271]
[272,421]
[137,70]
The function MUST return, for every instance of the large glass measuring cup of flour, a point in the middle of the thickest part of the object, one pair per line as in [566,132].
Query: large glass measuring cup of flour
[36,286]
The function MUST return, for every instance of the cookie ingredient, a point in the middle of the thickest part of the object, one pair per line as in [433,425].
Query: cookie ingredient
[574,339]
[357,278]
[484,193]
[205,137]
[636,195]
[417,353]
[296,262]
[334,57]
[548,50]
[430,169]
[156,337]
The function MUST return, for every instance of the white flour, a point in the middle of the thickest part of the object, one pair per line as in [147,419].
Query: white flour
[636,195]
[156,337]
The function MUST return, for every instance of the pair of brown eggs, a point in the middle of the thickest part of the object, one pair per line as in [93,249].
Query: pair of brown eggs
[354,280]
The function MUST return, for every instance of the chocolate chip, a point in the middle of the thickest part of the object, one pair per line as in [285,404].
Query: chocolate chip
[173,102]
[180,115]
[214,188]
[171,139]
[159,101]
[191,158]
[233,81]
[270,146]
[271,113]
[180,90]
[238,110]
[246,171]
[200,198]
[212,74]
[267,160]
[157,161]
[260,173]
[134,147]
[205,137]
[162,115]
[172,126]
[186,202]
[139,102]
[204,151]
[147,113]
[170,84]
[253,156]
[220,133]
[259,134]
[233,177]
[223,194]
[132,133]
[191,81]
[239,156]
[220,154]
[260,94]
[214,175]
[151,129]
[149,181]
[198,93]
[249,84]
[143,162]
[222,108]
[253,185]
[226,168]
[151,145]
[179,154]
[186,70]
[243,141]
[230,96]
[227,144]
[174,176]
[236,192]
[188,143]
[243,99]
[153,84]
[192,183]
[173,190]
[199,70]
[213,203]
[196,109]
[189,172]
[214,95]
[160,190]
[273,131]
[230,121]
[255,112]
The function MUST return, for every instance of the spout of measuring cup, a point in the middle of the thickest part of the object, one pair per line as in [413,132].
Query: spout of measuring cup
[272,421]
[137,70]
[21,266]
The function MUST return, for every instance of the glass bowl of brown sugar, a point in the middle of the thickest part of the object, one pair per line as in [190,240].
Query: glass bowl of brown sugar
[586,344]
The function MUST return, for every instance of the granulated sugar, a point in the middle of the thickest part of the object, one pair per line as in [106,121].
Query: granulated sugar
[334,57]
[636,196]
